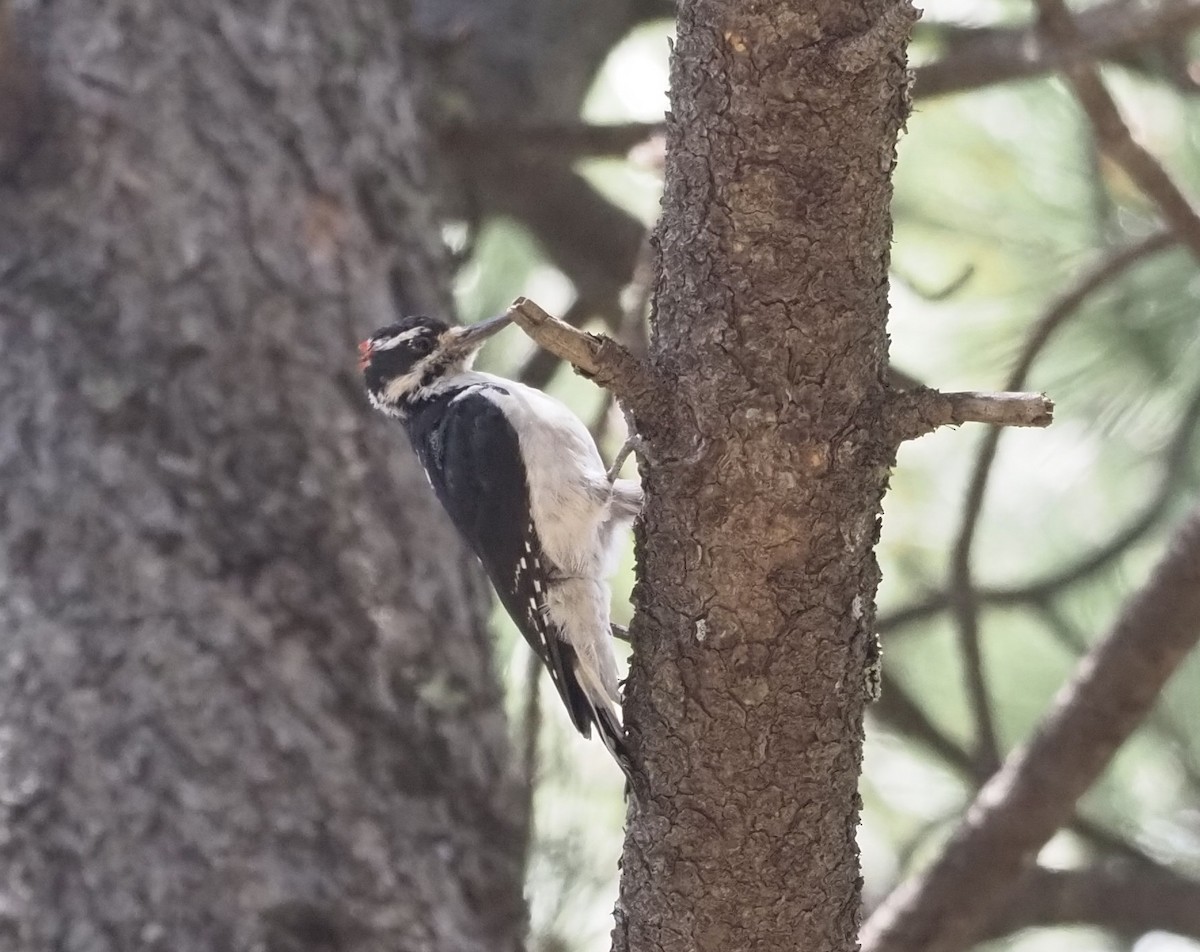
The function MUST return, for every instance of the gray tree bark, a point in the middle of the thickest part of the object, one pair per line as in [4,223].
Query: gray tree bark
[768,456]
[247,692]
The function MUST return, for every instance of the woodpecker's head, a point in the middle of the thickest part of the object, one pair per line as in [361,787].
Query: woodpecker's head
[403,359]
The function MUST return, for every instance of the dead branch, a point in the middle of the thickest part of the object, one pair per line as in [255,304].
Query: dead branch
[1178,455]
[541,366]
[914,413]
[985,57]
[1018,810]
[1113,135]
[596,357]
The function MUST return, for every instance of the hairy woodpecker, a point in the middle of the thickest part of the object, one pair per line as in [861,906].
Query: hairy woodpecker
[522,480]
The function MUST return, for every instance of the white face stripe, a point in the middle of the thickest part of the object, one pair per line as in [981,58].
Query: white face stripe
[398,339]
[397,387]
[407,385]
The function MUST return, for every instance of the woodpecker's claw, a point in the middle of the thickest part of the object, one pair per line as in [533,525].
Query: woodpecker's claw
[632,444]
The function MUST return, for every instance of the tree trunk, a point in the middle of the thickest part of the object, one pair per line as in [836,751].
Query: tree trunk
[766,466]
[247,693]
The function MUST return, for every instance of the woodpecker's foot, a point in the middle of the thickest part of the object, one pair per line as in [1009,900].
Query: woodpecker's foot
[619,460]
[620,632]
[632,444]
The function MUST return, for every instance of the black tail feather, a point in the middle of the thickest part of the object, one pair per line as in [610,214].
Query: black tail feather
[614,739]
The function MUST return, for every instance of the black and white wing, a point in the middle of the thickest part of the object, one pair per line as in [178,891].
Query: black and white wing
[472,458]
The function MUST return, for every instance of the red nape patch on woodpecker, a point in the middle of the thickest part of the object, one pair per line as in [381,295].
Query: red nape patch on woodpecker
[364,354]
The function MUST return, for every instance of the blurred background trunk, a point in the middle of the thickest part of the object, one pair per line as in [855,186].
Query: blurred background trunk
[248,699]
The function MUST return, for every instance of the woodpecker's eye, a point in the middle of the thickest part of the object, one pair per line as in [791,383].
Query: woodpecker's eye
[421,346]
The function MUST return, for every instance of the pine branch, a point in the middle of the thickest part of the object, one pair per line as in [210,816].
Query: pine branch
[988,56]
[949,905]
[1128,900]
[1113,135]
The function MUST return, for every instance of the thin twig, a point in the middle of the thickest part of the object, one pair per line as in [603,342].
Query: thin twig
[925,293]
[1061,629]
[1018,810]
[1111,266]
[1113,134]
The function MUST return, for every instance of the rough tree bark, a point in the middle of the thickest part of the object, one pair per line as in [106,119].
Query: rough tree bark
[766,463]
[247,696]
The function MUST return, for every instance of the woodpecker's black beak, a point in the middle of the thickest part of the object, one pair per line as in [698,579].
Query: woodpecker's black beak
[472,337]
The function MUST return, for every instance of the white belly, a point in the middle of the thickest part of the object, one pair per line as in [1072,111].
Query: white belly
[568,489]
